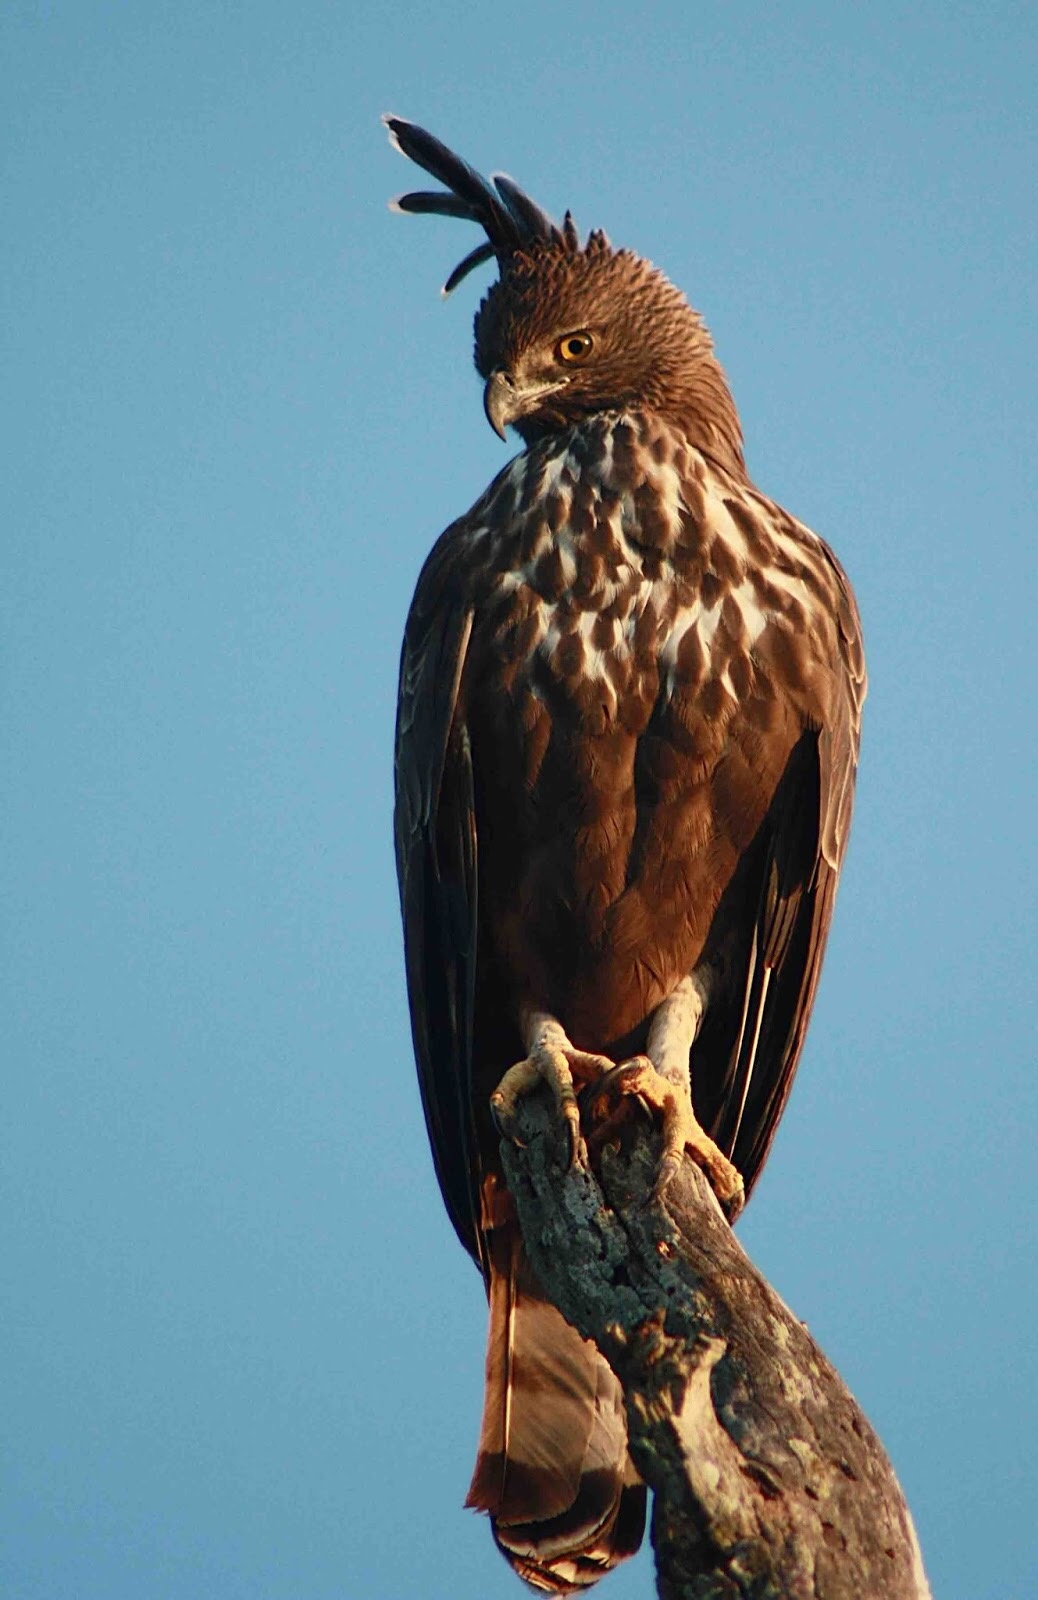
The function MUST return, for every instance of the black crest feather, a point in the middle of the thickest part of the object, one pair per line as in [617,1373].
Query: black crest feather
[507,215]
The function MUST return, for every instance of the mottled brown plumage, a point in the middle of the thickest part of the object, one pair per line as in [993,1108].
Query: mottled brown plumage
[628,725]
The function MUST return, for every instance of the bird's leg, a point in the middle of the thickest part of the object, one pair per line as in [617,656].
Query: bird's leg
[552,1059]
[662,1079]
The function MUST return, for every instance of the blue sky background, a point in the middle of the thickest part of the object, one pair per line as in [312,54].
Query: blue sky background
[242,1352]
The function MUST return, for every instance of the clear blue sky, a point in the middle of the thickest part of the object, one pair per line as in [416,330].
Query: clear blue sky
[242,1352]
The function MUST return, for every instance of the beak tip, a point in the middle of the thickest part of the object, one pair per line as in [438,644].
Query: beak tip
[498,399]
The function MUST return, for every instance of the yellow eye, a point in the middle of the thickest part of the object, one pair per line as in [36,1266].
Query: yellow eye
[573,348]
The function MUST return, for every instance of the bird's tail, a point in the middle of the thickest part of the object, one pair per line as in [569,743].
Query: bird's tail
[565,1501]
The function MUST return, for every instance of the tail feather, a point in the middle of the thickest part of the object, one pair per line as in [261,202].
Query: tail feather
[553,1469]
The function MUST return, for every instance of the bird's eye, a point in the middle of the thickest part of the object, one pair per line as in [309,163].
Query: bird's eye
[573,348]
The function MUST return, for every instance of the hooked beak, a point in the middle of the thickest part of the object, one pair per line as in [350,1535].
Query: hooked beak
[505,401]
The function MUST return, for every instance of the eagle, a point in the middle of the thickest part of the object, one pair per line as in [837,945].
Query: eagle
[627,733]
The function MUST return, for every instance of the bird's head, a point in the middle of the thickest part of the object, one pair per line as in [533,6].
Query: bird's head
[572,330]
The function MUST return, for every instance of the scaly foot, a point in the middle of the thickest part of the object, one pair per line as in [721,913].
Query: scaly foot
[551,1059]
[681,1131]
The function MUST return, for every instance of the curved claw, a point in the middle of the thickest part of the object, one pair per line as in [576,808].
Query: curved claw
[668,1169]
[521,1080]
[619,1080]
[504,1119]
[518,1081]
[577,1150]
[557,1064]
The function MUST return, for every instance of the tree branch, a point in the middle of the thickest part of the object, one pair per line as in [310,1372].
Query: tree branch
[768,1482]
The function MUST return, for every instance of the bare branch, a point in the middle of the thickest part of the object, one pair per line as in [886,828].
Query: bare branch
[767,1479]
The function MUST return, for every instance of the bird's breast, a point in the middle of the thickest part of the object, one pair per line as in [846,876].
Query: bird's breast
[621,566]
[649,640]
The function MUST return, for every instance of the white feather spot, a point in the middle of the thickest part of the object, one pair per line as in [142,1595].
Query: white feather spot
[754,618]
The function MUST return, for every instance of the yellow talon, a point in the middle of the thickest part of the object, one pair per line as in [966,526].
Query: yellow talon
[681,1131]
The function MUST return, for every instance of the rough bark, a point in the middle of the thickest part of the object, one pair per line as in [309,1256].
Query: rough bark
[767,1479]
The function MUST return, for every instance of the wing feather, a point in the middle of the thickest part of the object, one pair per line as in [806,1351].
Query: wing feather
[435,831]
[782,897]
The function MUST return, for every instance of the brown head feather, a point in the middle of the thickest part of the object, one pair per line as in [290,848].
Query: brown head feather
[651,351]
